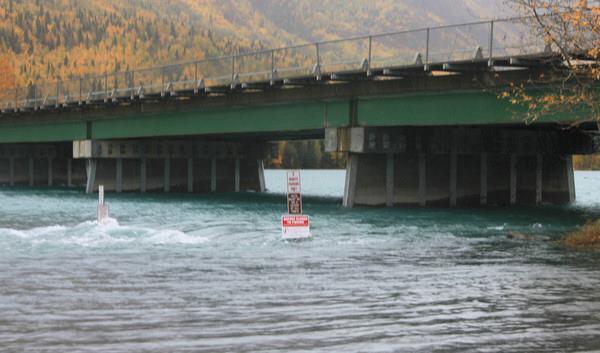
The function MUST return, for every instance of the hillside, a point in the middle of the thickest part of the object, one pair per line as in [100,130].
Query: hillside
[46,39]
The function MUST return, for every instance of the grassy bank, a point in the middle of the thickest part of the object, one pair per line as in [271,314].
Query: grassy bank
[586,237]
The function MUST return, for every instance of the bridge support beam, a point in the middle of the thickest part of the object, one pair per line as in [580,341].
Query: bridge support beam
[483,179]
[451,167]
[173,166]
[11,172]
[69,172]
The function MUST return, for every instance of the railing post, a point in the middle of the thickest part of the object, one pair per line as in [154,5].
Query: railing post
[80,90]
[370,56]
[105,86]
[57,92]
[116,84]
[233,71]
[318,66]
[427,49]
[318,55]
[162,85]
[272,65]
[491,60]
[195,74]
[34,96]
[132,89]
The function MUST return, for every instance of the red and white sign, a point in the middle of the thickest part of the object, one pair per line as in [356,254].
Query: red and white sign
[293,183]
[294,192]
[295,226]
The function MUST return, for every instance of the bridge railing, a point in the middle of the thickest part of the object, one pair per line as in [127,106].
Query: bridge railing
[426,46]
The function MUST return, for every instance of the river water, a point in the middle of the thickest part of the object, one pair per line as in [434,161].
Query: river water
[210,273]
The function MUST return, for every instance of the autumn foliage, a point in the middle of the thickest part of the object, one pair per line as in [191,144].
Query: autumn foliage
[572,29]
[64,39]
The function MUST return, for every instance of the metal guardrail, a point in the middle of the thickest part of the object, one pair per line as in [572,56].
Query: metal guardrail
[426,46]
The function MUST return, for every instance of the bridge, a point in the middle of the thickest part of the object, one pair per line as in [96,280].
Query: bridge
[417,113]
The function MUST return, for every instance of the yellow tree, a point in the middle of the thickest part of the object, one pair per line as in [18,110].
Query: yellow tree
[7,78]
[572,29]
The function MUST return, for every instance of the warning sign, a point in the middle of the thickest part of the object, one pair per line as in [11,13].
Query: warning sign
[293,184]
[294,192]
[295,226]
[294,204]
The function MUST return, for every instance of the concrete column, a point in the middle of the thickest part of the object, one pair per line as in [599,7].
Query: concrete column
[213,174]
[453,178]
[350,186]
[570,178]
[11,167]
[119,184]
[237,175]
[422,180]
[261,175]
[453,187]
[143,174]
[483,182]
[538,179]
[31,175]
[90,170]
[50,172]
[69,172]
[167,183]
[513,179]
[389,181]
[190,175]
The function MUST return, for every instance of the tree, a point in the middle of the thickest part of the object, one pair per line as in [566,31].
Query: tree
[7,73]
[572,29]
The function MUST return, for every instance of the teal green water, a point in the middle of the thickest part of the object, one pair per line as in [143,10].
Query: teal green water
[210,273]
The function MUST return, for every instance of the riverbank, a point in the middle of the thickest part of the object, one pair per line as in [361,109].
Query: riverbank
[585,238]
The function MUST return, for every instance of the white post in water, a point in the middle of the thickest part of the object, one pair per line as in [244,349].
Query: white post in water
[102,211]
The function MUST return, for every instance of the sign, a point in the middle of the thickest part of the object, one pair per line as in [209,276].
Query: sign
[102,211]
[295,226]
[294,204]
[293,183]
[294,192]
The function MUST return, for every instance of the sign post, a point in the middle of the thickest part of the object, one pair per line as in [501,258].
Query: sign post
[102,211]
[294,225]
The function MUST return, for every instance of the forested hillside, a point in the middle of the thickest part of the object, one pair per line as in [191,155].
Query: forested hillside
[47,39]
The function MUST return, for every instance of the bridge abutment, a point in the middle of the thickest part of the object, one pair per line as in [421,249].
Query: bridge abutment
[449,167]
[172,166]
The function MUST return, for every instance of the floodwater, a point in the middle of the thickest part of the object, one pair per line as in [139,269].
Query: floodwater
[177,273]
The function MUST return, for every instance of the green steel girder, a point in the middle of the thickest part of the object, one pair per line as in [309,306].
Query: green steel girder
[259,119]
[417,109]
[450,108]
[48,132]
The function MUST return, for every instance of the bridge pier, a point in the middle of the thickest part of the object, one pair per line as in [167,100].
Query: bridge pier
[178,166]
[39,165]
[452,167]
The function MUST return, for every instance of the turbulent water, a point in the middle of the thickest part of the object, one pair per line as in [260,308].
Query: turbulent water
[210,273]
